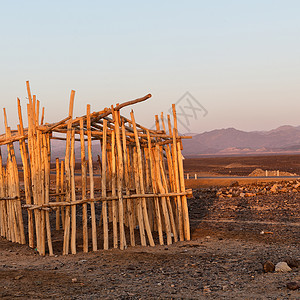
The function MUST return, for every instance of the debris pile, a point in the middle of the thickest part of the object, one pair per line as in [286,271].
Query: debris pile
[263,188]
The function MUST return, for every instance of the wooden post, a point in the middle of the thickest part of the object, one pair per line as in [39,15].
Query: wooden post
[156,201]
[73,194]
[91,175]
[120,179]
[163,199]
[177,184]
[62,190]
[68,178]
[140,169]
[27,176]
[186,221]
[57,223]
[83,189]
[127,187]
[113,190]
[138,202]
[103,185]
[46,147]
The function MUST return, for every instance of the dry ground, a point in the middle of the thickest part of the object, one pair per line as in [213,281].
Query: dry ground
[222,261]
[242,165]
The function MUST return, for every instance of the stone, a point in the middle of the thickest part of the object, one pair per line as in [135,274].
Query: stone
[282,267]
[242,195]
[293,285]
[293,263]
[206,289]
[269,267]
[273,189]
[74,280]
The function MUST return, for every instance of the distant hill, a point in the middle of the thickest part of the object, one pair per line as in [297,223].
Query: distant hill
[230,141]
[284,139]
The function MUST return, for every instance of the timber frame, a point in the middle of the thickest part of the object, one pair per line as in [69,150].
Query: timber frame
[139,196]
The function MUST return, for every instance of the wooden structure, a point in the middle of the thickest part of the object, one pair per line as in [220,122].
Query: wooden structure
[138,196]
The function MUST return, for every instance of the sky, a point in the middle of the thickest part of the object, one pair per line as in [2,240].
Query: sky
[239,61]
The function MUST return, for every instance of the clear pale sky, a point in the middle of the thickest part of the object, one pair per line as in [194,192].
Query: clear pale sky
[239,59]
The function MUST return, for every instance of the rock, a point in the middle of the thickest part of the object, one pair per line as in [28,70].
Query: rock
[19,277]
[282,267]
[269,267]
[273,189]
[242,195]
[293,285]
[206,289]
[74,280]
[293,263]
[250,194]
[297,185]
[234,184]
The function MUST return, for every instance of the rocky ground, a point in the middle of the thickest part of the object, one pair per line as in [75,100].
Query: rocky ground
[262,188]
[232,238]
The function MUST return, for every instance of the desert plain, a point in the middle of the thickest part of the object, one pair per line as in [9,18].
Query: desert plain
[232,238]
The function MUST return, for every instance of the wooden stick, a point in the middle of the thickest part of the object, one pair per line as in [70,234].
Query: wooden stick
[57,224]
[103,185]
[139,201]
[27,176]
[177,184]
[61,186]
[113,188]
[140,169]
[73,195]
[83,188]
[162,190]
[156,203]
[186,222]
[47,188]
[93,213]
[120,179]
[127,187]
[68,178]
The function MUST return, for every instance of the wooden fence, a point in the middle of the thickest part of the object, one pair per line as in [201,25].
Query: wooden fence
[137,197]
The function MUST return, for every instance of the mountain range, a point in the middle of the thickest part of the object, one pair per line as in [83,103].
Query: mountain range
[230,141]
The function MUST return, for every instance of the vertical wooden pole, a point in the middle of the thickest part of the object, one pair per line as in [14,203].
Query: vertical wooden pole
[103,185]
[27,177]
[57,223]
[47,189]
[186,222]
[177,183]
[120,179]
[140,169]
[163,199]
[154,183]
[91,174]
[127,187]
[113,189]
[73,194]
[83,188]
[138,201]
[62,190]
[66,243]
